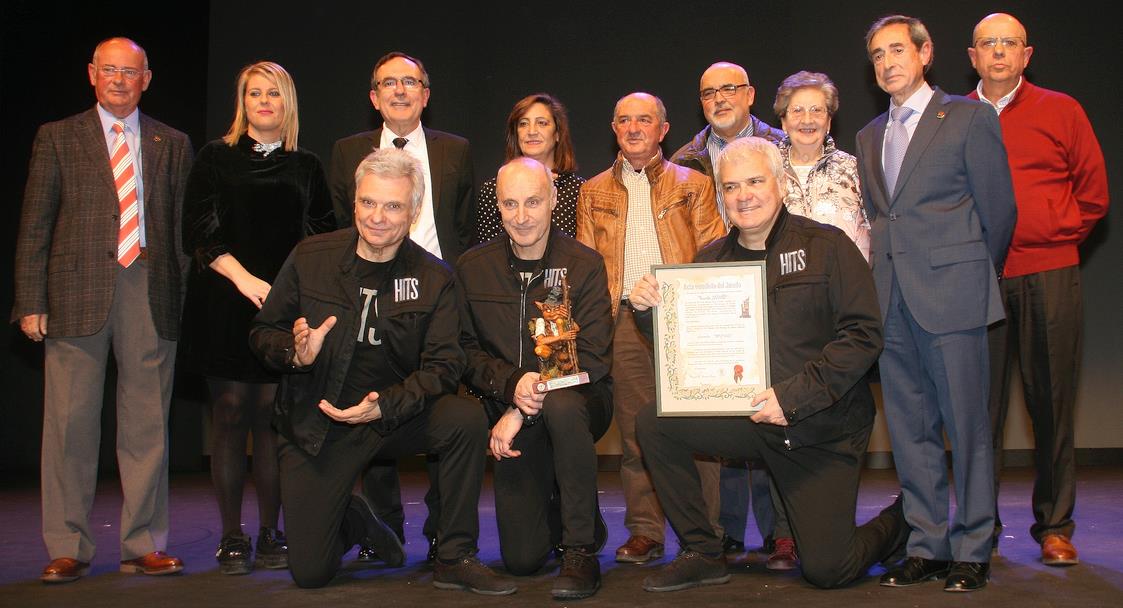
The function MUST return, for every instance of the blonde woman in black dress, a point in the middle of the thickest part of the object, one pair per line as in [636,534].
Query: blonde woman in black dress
[251,196]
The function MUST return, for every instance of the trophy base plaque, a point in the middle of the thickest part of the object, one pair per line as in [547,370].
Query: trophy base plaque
[552,384]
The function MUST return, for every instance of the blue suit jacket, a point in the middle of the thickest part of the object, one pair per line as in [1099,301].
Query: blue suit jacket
[948,225]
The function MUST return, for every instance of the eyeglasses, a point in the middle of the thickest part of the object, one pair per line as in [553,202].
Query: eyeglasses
[109,71]
[408,82]
[813,111]
[1008,44]
[727,91]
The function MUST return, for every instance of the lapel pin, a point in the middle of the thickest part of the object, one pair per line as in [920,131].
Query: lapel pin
[941,115]
[157,137]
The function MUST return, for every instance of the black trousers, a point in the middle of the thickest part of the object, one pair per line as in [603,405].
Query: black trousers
[818,485]
[1043,335]
[558,458]
[382,487]
[316,489]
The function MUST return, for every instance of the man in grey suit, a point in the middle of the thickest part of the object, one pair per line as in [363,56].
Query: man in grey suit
[399,90]
[99,267]
[941,207]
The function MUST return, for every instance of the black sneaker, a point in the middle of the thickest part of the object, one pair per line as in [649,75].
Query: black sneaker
[234,554]
[579,576]
[272,549]
[731,546]
[470,574]
[377,535]
[689,569]
[368,554]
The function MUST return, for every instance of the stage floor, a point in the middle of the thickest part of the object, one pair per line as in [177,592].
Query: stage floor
[1018,580]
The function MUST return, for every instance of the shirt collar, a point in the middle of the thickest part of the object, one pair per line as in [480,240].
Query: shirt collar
[918,101]
[416,136]
[132,121]
[720,141]
[1002,101]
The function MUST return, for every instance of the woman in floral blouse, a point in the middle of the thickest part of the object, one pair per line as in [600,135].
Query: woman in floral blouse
[822,180]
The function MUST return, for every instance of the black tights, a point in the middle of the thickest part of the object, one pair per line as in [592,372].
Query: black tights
[237,409]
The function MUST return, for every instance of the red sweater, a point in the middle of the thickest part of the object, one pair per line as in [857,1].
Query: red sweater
[1060,181]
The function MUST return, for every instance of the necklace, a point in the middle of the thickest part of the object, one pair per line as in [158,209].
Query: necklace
[266,149]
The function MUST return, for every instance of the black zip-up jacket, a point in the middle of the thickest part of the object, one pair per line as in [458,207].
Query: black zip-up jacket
[498,306]
[418,321]
[824,327]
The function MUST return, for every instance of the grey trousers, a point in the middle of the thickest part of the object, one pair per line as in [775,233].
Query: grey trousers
[74,379]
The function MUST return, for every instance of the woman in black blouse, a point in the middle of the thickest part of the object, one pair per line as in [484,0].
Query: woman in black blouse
[538,128]
[251,196]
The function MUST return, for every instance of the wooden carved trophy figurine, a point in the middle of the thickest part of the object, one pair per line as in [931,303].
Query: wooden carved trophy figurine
[555,341]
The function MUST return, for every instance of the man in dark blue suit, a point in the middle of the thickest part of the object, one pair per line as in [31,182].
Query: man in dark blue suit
[941,206]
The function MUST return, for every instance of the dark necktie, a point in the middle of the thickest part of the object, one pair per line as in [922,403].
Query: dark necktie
[400,142]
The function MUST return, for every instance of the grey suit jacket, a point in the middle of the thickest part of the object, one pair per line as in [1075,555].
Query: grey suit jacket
[948,225]
[450,166]
[66,252]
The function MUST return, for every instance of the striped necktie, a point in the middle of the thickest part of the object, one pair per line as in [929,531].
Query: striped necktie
[896,144]
[124,177]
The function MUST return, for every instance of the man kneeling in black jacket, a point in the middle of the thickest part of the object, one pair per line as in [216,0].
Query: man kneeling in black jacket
[546,469]
[824,334]
[363,323]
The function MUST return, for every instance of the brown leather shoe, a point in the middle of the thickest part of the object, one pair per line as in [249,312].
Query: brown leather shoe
[156,563]
[784,556]
[64,570]
[639,549]
[1057,550]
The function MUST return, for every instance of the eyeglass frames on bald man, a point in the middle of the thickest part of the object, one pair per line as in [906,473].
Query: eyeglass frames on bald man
[109,71]
[1008,44]
[727,91]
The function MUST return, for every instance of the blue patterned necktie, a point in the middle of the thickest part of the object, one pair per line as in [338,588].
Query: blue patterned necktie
[896,143]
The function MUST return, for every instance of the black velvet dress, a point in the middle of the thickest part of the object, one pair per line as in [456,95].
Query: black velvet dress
[255,207]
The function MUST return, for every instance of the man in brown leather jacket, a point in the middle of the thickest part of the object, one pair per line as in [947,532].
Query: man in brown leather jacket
[677,216]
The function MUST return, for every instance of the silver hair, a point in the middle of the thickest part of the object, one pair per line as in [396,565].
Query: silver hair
[743,148]
[392,163]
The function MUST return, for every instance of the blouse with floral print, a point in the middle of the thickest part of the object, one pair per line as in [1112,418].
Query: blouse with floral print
[831,194]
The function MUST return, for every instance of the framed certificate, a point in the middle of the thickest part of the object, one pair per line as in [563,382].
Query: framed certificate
[711,338]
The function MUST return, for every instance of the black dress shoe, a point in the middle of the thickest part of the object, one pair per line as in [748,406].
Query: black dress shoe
[731,546]
[915,570]
[374,533]
[967,576]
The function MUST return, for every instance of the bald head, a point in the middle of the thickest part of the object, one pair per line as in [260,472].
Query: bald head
[725,68]
[640,97]
[526,196]
[122,43]
[1000,20]
[119,74]
[999,54]
[726,98]
[640,124]
[523,170]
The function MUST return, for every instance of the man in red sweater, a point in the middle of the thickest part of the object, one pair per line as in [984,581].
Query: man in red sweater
[1060,184]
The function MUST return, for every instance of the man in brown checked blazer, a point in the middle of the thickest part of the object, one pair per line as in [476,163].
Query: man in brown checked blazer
[84,287]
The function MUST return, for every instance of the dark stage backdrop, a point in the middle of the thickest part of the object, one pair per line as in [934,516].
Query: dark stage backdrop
[483,56]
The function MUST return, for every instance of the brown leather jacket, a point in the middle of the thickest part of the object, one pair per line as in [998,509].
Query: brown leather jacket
[686,216]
